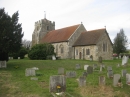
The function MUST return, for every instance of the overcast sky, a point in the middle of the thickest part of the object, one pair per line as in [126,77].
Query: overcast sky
[94,14]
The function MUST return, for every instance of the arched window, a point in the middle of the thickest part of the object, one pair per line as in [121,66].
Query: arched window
[76,52]
[61,48]
[87,52]
[104,47]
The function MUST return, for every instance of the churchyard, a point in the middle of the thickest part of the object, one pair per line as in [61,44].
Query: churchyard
[70,78]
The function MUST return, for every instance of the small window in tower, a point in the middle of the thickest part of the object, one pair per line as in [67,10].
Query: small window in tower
[47,27]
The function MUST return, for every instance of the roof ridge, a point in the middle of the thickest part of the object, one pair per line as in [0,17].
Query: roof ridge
[96,29]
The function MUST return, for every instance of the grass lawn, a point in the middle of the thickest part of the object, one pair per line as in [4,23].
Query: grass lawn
[14,83]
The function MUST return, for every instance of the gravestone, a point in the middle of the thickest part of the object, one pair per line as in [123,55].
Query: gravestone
[101,68]
[123,72]
[90,70]
[53,57]
[77,66]
[128,79]
[101,80]
[30,72]
[118,65]
[61,71]
[2,64]
[100,59]
[110,74]
[85,74]
[70,74]
[124,60]
[95,66]
[116,79]
[18,57]
[57,83]
[85,67]
[91,58]
[109,68]
[82,81]
[34,78]
[35,68]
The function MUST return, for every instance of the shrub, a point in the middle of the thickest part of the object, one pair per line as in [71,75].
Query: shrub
[41,51]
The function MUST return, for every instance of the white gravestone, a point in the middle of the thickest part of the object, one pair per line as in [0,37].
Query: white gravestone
[2,64]
[85,67]
[124,60]
[53,57]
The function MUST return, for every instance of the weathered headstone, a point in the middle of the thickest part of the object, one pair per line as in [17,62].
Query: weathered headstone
[110,74]
[30,72]
[101,80]
[95,66]
[91,58]
[85,67]
[90,70]
[124,72]
[77,66]
[61,71]
[2,64]
[109,68]
[100,59]
[101,68]
[18,57]
[34,78]
[82,81]
[128,79]
[70,74]
[118,65]
[57,83]
[85,74]
[53,57]
[116,79]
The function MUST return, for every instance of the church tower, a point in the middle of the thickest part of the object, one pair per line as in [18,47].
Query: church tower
[42,27]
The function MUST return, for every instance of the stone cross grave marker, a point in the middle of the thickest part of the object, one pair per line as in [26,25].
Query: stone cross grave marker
[77,66]
[85,67]
[116,78]
[61,71]
[85,74]
[123,72]
[70,74]
[101,80]
[128,79]
[2,64]
[57,83]
[30,72]
[82,81]
[90,70]
[110,74]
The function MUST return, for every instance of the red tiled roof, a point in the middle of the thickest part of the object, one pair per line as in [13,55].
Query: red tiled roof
[59,35]
[89,37]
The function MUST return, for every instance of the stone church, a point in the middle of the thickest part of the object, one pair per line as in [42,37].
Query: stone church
[74,42]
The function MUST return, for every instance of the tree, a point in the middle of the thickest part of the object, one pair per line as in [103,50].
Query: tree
[120,42]
[41,51]
[26,43]
[10,34]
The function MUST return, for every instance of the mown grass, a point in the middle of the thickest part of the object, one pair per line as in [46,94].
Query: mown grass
[14,83]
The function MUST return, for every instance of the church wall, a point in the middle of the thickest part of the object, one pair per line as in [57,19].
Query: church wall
[107,54]
[58,47]
[73,38]
[81,52]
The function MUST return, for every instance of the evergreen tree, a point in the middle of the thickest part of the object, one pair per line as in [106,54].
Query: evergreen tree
[10,34]
[120,41]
